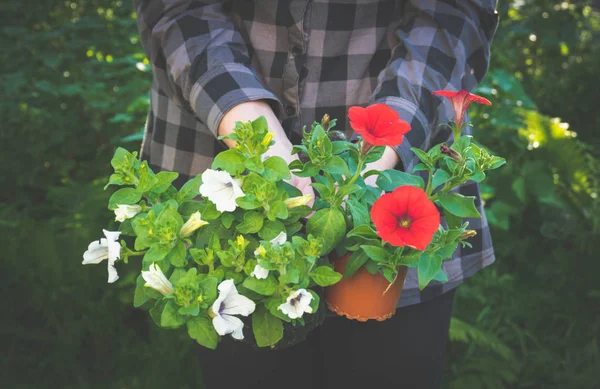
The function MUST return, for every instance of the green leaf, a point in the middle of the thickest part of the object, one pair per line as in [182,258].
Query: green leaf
[496,162]
[453,221]
[157,310]
[232,161]
[170,318]
[276,169]
[202,331]
[447,250]
[398,178]
[359,212]
[190,189]
[163,182]
[176,256]
[247,202]
[440,177]
[253,222]
[376,253]
[124,196]
[365,232]
[329,224]
[325,276]
[441,276]
[254,164]
[348,190]
[459,205]
[156,254]
[271,229]
[356,260]
[142,293]
[375,154]
[278,210]
[336,165]
[268,330]
[423,156]
[428,267]
[227,219]
[266,287]
[372,266]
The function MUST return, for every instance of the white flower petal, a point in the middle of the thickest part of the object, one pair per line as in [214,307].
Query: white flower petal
[279,239]
[221,189]
[97,252]
[124,211]
[155,279]
[297,303]
[236,304]
[111,236]
[226,324]
[259,272]
[112,273]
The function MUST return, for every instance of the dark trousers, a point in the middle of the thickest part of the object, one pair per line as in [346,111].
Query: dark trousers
[406,351]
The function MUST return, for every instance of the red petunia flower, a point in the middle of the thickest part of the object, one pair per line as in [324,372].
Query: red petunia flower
[378,124]
[406,217]
[460,102]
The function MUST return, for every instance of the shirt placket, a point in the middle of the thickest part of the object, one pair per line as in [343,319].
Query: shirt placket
[296,61]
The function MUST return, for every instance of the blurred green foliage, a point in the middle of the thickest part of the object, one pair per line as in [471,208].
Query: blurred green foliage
[75,83]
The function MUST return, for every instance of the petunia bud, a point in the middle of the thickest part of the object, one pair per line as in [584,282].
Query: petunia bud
[193,223]
[299,201]
[451,153]
[325,122]
[467,234]
[267,139]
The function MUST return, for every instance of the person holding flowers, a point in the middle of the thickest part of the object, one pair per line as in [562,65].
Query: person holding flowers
[216,63]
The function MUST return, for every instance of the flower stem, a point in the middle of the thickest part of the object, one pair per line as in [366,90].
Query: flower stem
[429,189]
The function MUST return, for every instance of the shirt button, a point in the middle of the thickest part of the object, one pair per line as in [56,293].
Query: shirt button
[297,50]
[290,110]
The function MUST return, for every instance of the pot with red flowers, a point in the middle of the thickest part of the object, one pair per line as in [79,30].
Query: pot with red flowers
[378,223]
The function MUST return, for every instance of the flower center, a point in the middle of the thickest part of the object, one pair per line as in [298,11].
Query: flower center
[404,222]
[295,300]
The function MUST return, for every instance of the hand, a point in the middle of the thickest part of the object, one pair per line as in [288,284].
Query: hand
[388,160]
[282,148]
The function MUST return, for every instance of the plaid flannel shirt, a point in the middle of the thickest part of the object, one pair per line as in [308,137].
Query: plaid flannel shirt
[308,58]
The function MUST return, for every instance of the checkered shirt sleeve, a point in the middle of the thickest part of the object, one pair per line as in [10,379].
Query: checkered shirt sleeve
[199,58]
[439,45]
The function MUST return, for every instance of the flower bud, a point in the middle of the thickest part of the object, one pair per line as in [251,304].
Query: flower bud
[193,223]
[124,212]
[299,201]
[451,153]
[467,234]
[325,122]
[267,139]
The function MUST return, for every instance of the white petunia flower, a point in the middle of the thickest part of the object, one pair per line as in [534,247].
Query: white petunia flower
[124,212]
[106,248]
[193,223]
[220,188]
[296,304]
[230,303]
[156,280]
[259,272]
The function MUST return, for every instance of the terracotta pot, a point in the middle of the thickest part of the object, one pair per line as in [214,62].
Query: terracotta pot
[363,296]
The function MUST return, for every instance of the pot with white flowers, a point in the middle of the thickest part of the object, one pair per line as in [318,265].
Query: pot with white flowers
[224,255]
[374,230]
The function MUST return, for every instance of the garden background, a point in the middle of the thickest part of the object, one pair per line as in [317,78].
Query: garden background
[75,86]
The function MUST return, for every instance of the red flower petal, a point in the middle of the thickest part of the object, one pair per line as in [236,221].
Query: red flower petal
[378,124]
[406,203]
[460,102]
